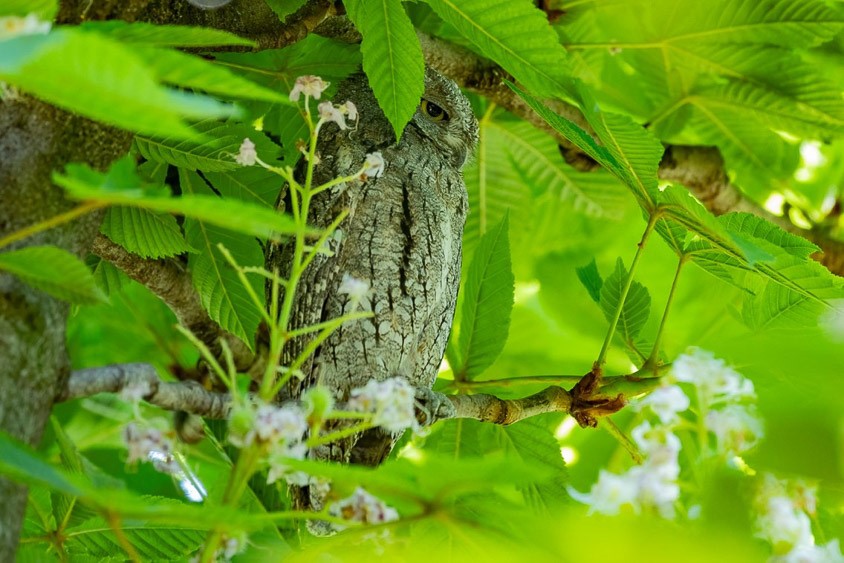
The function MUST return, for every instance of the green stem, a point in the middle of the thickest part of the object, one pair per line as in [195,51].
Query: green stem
[653,359]
[332,324]
[602,357]
[622,438]
[51,222]
[334,436]
[236,484]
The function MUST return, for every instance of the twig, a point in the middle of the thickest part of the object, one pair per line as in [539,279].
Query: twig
[187,396]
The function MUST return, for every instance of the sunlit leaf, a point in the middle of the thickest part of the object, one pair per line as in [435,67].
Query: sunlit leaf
[516,35]
[392,57]
[485,304]
[52,270]
[103,80]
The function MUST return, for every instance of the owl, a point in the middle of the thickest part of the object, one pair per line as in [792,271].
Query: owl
[402,236]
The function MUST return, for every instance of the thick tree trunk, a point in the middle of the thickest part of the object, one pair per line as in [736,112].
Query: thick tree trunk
[35,140]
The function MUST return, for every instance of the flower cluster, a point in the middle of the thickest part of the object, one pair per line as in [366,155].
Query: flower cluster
[725,396]
[356,289]
[390,401]
[331,113]
[280,430]
[652,485]
[310,86]
[785,510]
[364,508]
[14,26]
[150,444]
[712,377]
[373,166]
[247,155]
[722,396]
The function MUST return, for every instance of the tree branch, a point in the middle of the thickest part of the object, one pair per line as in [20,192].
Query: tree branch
[186,396]
[585,403]
[171,283]
[700,169]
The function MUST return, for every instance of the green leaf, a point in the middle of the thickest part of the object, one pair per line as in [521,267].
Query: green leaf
[392,57]
[248,183]
[121,186]
[632,146]
[486,303]
[220,289]
[103,80]
[145,233]
[188,71]
[44,9]
[516,35]
[536,156]
[54,271]
[591,280]
[153,542]
[430,478]
[63,504]
[796,304]
[20,463]
[777,110]
[109,279]
[211,148]
[165,35]
[676,203]
[627,151]
[757,227]
[636,308]
[536,446]
[518,170]
[277,69]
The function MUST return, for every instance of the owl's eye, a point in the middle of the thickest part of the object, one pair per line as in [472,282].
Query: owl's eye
[432,110]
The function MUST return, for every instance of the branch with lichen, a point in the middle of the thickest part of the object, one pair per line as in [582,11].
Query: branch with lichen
[584,403]
[185,396]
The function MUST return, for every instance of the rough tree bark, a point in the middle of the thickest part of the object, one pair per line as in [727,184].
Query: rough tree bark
[36,139]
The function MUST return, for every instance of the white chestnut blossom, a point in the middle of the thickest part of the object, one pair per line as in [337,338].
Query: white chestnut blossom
[829,553]
[308,85]
[610,494]
[149,444]
[15,26]
[736,428]
[356,289]
[349,109]
[666,402]
[328,113]
[783,526]
[654,438]
[247,155]
[363,507]
[652,485]
[716,381]
[281,430]
[390,401]
[373,166]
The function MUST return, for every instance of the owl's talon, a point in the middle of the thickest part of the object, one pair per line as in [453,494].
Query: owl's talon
[432,406]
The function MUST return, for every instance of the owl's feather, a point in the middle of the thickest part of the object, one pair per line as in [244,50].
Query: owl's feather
[402,236]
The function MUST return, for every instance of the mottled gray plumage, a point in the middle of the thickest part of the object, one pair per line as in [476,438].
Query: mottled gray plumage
[403,236]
